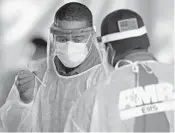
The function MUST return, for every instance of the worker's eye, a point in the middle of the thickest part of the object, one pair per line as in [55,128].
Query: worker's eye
[61,39]
[79,39]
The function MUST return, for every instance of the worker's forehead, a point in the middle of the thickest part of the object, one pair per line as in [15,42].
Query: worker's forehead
[72,24]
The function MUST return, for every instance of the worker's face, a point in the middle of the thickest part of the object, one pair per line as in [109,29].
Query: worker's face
[73,40]
[72,32]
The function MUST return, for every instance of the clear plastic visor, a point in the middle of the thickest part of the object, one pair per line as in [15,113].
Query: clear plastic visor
[73,35]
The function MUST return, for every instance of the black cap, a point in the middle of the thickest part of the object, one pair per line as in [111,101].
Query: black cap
[124,20]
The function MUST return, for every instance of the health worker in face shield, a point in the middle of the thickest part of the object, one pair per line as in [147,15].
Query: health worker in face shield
[73,66]
[138,93]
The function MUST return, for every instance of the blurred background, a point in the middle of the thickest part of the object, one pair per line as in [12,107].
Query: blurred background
[25,24]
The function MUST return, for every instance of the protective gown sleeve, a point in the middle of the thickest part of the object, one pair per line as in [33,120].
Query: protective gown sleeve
[12,111]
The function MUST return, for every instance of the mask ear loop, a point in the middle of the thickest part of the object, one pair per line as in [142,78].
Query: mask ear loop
[113,56]
[103,57]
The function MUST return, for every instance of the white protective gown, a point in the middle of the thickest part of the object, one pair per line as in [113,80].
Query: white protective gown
[98,110]
[52,101]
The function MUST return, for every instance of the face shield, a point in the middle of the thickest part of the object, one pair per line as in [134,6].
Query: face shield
[71,46]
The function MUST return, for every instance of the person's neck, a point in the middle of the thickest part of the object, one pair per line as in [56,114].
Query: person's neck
[139,55]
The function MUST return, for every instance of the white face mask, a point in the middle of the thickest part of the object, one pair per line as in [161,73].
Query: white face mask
[72,54]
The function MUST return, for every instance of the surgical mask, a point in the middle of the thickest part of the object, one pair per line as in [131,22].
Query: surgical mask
[71,46]
[71,54]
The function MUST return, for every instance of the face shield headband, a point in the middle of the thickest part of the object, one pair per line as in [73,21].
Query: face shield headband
[114,37]
[71,32]
[124,35]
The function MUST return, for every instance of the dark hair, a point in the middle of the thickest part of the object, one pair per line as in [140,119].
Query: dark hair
[74,11]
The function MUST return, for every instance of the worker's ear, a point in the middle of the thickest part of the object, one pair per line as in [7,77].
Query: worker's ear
[99,40]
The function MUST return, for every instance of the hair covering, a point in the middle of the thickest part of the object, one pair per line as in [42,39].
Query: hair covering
[125,30]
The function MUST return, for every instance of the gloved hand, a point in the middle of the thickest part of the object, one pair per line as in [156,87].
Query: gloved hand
[25,84]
